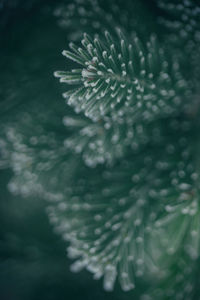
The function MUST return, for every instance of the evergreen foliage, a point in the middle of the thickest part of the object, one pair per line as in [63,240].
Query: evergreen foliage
[122,175]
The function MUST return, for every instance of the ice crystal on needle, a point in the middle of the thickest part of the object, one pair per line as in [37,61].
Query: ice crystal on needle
[128,79]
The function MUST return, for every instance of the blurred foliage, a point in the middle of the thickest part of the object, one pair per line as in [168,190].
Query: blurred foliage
[33,263]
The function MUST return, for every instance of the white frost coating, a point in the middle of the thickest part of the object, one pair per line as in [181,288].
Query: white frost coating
[109,277]
[77,266]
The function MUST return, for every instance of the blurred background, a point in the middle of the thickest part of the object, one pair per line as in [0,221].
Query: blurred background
[33,262]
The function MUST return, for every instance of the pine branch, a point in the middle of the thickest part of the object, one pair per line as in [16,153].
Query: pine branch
[130,78]
[128,237]
[119,222]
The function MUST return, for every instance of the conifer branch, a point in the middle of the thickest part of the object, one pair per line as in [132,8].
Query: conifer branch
[130,77]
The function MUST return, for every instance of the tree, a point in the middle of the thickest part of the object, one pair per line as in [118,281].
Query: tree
[122,180]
